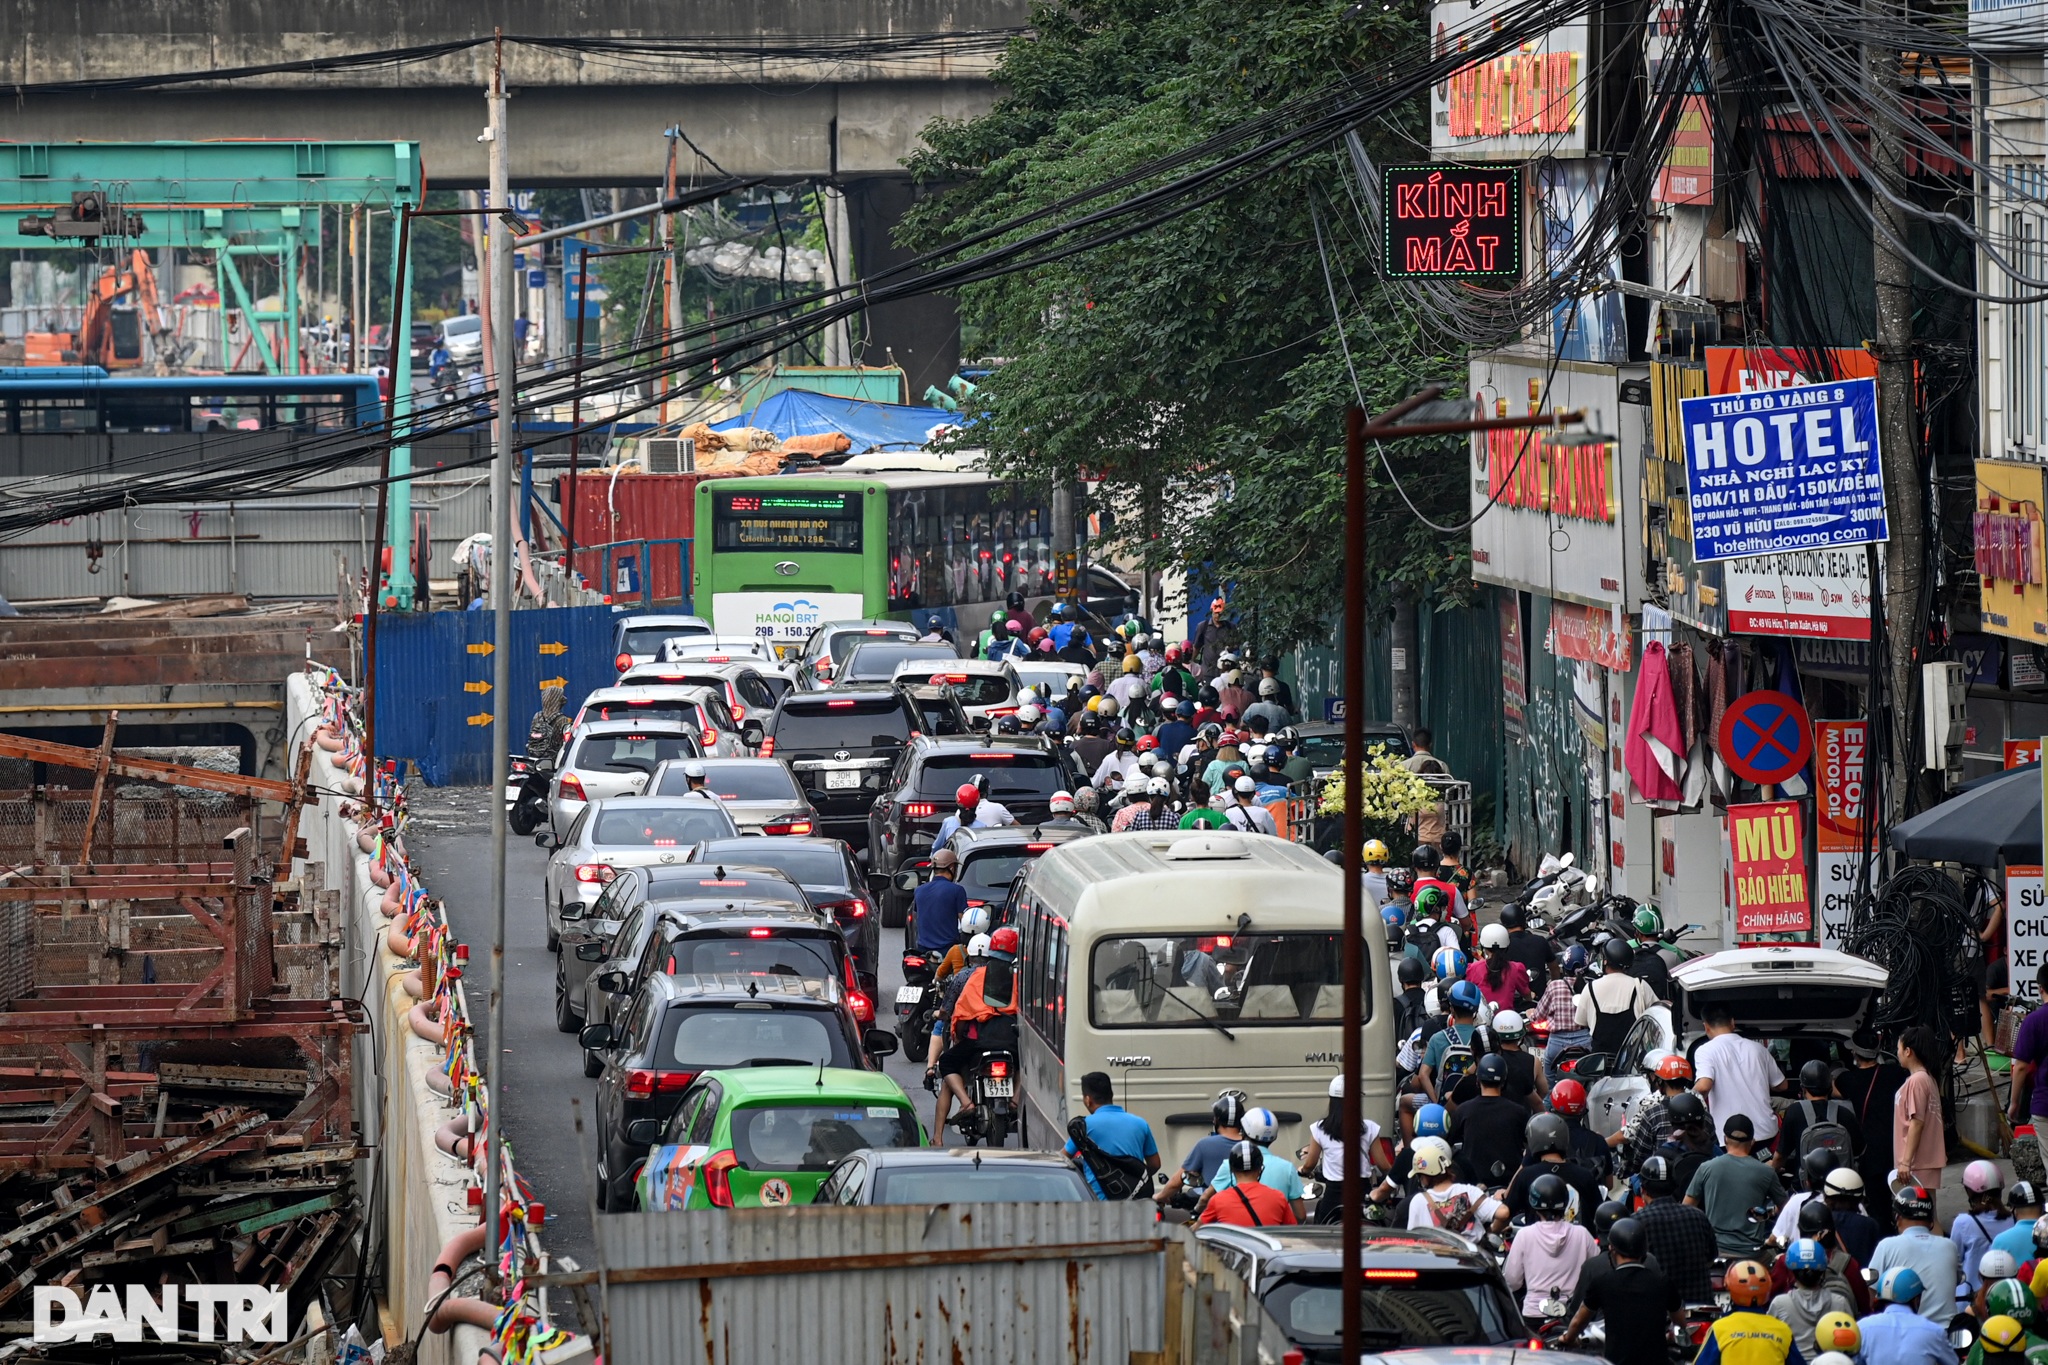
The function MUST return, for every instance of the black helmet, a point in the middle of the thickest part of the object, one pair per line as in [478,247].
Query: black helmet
[1125,736]
[1549,1196]
[1815,1078]
[1425,857]
[1015,599]
[1815,1166]
[2020,1195]
[1913,1201]
[1686,1107]
[1606,1216]
[1091,724]
[1245,1157]
[1546,1133]
[1492,1069]
[1227,1109]
[1656,1174]
[1411,971]
[1618,953]
[1007,725]
[1627,1238]
[1511,917]
[1816,1219]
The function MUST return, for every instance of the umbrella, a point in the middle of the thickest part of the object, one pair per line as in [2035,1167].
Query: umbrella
[1994,819]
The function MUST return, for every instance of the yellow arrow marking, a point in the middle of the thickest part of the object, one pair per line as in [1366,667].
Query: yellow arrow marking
[483,718]
[546,683]
[556,648]
[477,687]
[481,649]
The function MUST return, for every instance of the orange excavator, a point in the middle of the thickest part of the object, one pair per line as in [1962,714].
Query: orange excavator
[123,302]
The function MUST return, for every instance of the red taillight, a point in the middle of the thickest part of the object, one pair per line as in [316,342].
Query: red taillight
[975,905]
[768,747]
[595,874]
[999,1069]
[842,703]
[787,827]
[572,788]
[1568,1064]
[1037,848]
[642,1085]
[759,933]
[710,738]
[863,1008]
[1001,711]
[624,661]
[920,810]
[718,658]
[718,1179]
[993,758]
[913,962]
[857,909]
[1392,1274]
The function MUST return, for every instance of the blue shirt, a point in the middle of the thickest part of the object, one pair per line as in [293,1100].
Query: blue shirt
[1900,1336]
[939,903]
[1061,632]
[1934,1260]
[1119,1132]
[1174,736]
[2019,1241]
[1274,1174]
[1206,1157]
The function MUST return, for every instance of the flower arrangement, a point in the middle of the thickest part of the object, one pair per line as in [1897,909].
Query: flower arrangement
[1389,792]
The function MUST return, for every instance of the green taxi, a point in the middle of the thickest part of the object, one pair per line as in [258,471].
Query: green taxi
[767,1136]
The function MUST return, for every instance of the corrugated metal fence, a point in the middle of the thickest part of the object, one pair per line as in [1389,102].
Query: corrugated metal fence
[434,673]
[979,1284]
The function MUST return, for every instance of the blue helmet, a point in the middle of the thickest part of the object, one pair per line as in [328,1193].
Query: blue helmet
[1275,756]
[1431,1121]
[1449,964]
[1806,1254]
[1059,610]
[1465,996]
[1902,1285]
[1576,957]
[1186,710]
[1391,915]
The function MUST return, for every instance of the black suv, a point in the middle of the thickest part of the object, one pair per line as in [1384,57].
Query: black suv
[829,876]
[1023,772]
[1434,1289]
[679,1026]
[841,744]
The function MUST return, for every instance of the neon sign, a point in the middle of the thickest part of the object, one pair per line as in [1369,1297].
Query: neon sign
[1452,221]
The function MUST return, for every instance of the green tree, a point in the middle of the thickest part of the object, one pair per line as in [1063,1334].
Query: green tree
[1196,364]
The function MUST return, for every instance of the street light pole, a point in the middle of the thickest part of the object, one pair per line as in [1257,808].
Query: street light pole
[506,360]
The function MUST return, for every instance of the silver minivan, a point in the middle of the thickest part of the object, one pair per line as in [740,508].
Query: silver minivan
[613,758]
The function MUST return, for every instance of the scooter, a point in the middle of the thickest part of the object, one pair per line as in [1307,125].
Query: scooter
[993,1086]
[917,1001]
[526,794]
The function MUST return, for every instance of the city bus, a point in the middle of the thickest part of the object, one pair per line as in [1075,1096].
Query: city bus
[1185,963]
[69,399]
[778,555]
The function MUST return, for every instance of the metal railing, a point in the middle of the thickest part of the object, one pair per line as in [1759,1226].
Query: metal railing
[1306,826]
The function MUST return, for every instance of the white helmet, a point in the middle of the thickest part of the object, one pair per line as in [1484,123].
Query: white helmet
[1029,714]
[1260,1125]
[1028,697]
[974,920]
[1432,1156]
[1508,1026]
[1844,1180]
[1493,936]
[1997,1265]
[1158,786]
[978,946]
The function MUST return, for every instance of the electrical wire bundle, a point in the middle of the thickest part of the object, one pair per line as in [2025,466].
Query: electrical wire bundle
[1922,928]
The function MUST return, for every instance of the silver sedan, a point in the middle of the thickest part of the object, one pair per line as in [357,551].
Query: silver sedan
[613,758]
[625,831]
[759,793]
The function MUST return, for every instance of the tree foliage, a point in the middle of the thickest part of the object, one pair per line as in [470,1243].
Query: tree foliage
[1196,363]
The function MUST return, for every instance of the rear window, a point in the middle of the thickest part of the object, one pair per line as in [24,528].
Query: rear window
[1191,981]
[870,722]
[663,708]
[703,882]
[632,753]
[763,781]
[812,959]
[702,1038]
[1431,1309]
[816,1137]
[991,873]
[973,689]
[1009,773]
[843,643]
[659,826]
[997,1182]
[648,639]
[811,864]
[878,658]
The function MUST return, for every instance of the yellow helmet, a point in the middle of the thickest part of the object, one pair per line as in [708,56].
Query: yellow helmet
[1838,1332]
[1375,851]
[2004,1336]
[1094,702]
[1133,664]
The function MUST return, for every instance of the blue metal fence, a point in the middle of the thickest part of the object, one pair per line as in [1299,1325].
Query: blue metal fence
[434,682]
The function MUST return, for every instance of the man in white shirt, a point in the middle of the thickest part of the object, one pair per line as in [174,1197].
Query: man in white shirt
[1246,814]
[1736,1075]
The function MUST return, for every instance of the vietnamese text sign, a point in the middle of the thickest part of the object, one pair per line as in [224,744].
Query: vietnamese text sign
[2006,539]
[2026,931]
[1514,689]
[1839,749]
[1768,868]
[1687,175]
[1452,221]
[1816,594]
[1590,635]
[1784,470]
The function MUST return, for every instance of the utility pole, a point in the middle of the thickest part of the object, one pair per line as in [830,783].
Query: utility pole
[1405,658]
[1905,492]
[501,636]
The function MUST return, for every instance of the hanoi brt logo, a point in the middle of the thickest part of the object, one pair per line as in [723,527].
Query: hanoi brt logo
[251,1313]
[797,614]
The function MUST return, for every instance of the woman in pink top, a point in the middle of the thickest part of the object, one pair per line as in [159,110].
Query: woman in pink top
[1501,981]
[1918,1149]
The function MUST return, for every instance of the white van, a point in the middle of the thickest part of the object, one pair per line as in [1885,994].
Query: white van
[1184,963]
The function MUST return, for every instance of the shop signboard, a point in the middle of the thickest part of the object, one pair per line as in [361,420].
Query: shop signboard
[1696,593]
[1785,470]
[1753,369]
[2006,535]
[1452,222]
[1840,748]
[1768,868]
[1687,175]
[2019,752]
[2026,931]
[1819,594]
[1591,636]
[1518,105]
[1514,668]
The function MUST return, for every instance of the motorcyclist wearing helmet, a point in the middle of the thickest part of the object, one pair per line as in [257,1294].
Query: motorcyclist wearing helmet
[1117,765]
[1064,816]
[1375,859]
[1856,1230]
[1904,1333]
[2023,1202]
[1503,1037]
[974,922]
[1813,1170]
[1546,1147]
[1503,981]
[1647,938]
[2011,1300]
[1205,1158]
[983,1016]
[1748,1335]
[1156,811]
[1916,1245]
[1411,1003]
[1463,1002]
[2005,1340]
[1730,1187]
[1811,1296]
[937,905]
[1248,1201]
[1426,860]
[1442,1201]
[1979,1224]
[1609,1007]
[1530,949]
[1670,1074]
[1679,1234]
[1545,1261]
[1629,1290]
[1486,1130]
[1817,1104]
[1261,1127]
[1558,1009]
[1568,1101]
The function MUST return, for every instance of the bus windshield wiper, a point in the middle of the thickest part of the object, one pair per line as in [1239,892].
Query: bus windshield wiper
[1182,1001]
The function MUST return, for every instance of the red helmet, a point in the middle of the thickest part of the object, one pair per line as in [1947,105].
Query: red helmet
[1146,743]
[1003,943]
[1037,634]
[1674,1068]
[1172,653]
[1568,1097]
[969,796]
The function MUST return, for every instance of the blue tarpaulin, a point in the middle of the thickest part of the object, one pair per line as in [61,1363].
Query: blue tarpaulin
[870,426]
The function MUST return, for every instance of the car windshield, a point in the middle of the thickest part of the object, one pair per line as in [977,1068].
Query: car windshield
[811,864]
[763,780]
[878,658]
[993,1182]
[1433,1309]
[648,639]
[816,1137]
[701,1038]
[463,326]
[632,753]
[973,689]
[1196,981]
[1010,773]
[631,826]
[845,641]
[991,872]
[812,959]
[866,723]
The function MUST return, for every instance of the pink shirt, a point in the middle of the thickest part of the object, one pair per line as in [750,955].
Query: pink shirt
[1513,982]
[1919,1099]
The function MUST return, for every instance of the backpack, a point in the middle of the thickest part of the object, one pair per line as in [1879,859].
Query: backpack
[1825,1133]
[1422,939]
[1121,1177]
[1458,1060]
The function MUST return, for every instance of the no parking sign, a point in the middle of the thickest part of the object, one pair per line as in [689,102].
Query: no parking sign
[1766,738]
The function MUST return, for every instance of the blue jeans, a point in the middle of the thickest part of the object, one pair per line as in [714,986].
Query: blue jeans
[1560,1041]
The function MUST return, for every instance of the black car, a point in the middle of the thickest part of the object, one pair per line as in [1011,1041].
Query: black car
[953,1175]
[1424,1288]
[991,859]
[841,744]
[681,1025]
[1023,772]
[830,643]
[826,870]
[1322,743]
[876,660]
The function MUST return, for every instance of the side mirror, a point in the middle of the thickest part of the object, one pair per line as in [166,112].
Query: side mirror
[596,1037]
[878,1042]
[643,1132]
[906,881]
[590,952]
[545,839]
[614,982]
[574,910]
[752,732]
[1592,1066]
[979,724]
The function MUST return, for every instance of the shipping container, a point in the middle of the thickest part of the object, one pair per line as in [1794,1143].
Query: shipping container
[631,507]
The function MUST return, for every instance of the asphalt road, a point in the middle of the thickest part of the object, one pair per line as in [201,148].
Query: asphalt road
[450,839]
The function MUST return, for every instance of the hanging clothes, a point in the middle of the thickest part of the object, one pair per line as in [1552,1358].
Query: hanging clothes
[1690,700]
[1724,664]
[1800,783]
[1656,746]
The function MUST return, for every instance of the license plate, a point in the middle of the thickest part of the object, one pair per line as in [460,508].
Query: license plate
[999,1090]
[909,995]
[841,780]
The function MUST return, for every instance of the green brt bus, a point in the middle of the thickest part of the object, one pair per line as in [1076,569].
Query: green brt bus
[779,555]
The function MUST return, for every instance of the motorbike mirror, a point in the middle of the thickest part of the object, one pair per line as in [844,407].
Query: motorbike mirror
[613,982]
[1961,1338]
[878,1042]
[643,1132]
[590,952]
[1592,885]
[1565,859]
[596,1037]
[979,724]
[545,839]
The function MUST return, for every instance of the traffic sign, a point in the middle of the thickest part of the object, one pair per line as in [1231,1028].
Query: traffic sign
[1766,738]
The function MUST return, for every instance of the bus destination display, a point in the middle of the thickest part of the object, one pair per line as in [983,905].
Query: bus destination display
[786,521]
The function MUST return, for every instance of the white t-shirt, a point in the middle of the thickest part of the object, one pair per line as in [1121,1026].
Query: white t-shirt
[1419,1215]
[1743,1072]
[1786,1230]
[1332,1165]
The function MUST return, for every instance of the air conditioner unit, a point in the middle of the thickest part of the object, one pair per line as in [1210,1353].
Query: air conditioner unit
[669,454]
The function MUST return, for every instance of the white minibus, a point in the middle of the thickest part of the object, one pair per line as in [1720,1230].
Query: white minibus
[1184,963]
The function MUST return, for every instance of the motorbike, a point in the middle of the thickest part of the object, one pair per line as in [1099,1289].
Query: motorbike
[993,1086]
[526,793]
[917,1002]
